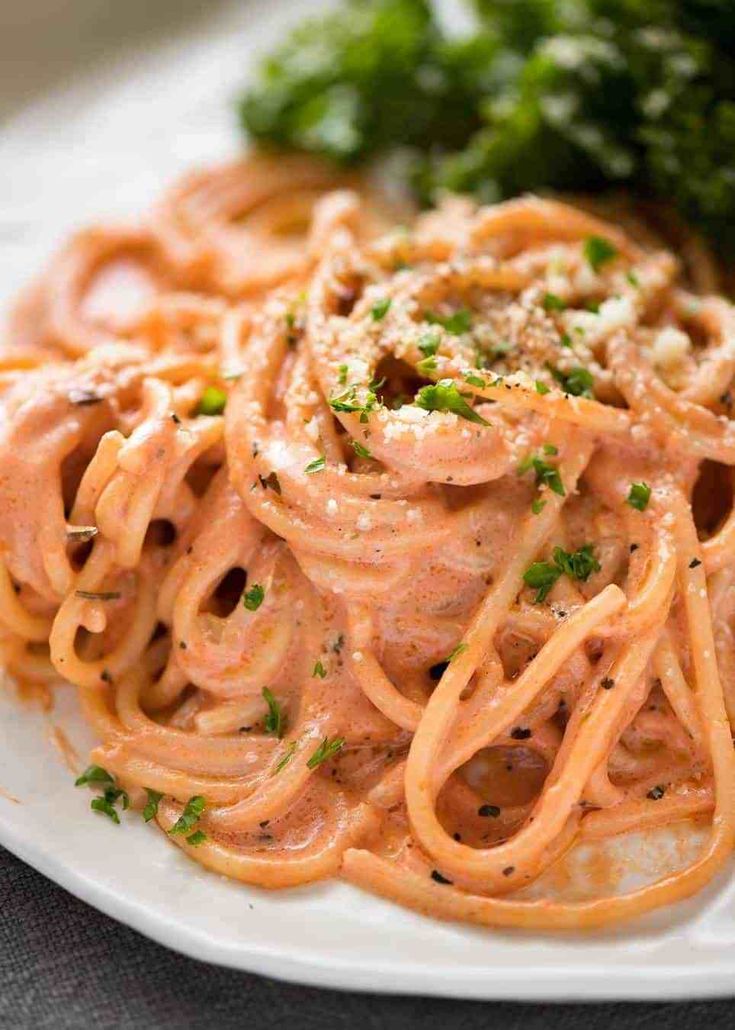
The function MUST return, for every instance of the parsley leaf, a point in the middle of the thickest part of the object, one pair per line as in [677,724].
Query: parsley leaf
[316,465]
[444,396]
[191,815]
[196,838]
[360,450]
[578,381]
[598,251]
[319,670]
[456,651]
[380,309]
[577,564]
[541,576]
[93,774]
[639,496]
[457,323]
[552,302]
[326,750]
[275,721]
[151,809]
[429,343]
[254,597]
[212,401]
[285,759]
[546,474]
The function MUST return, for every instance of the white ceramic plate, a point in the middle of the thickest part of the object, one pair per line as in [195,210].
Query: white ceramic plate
[107,128]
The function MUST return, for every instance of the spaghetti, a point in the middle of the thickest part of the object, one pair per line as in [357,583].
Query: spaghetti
[399,554]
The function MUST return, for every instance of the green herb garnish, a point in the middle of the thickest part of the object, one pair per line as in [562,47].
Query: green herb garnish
[285,759]
[212,401]
[317,465]
[94,774]
[444,396]
[360,450]
[253,598]
[456,651]
[598,251]
[326,750]
[151,809]
[542,575]
[380,309]
[552,302]
[275,721]
[546,474]
[457,323]
[577,381]
[319,670]
[639,496]
[429,344]
[191,815]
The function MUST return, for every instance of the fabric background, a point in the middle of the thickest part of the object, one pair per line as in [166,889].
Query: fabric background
[64,965]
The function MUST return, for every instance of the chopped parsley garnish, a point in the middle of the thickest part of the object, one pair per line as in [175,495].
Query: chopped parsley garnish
[429,343]
[151,809]
[360,450]
[254,597]
[578,381]
[326,750]
[98,595]
[552,302]
[94,774]
[319,670]
[577,564]
[541,387]
[105,805]
[196,838]
[191,815]
[633,279]
[317,465]
[444,396]
[538,506]
[473,380]
[380,308]
[426,365]
[212,401]
[347,401]
[285,759]
[457,323]
[542,575]
[275,721]
[457,650]
[342,376]
[639,496]
[546,473]
[598,251]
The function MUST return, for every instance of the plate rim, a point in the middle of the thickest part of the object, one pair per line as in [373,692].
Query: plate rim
[541,982]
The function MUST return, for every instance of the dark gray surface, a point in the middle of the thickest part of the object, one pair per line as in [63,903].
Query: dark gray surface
[64,965]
